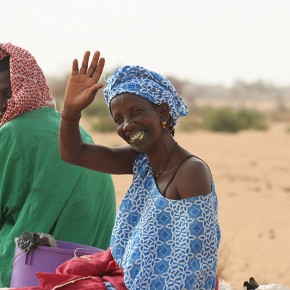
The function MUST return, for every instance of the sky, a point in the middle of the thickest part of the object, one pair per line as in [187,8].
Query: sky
[203,41]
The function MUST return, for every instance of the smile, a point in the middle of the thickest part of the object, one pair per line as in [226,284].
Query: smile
[138,136]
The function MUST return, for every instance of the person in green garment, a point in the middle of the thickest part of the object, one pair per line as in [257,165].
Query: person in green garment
[38,191]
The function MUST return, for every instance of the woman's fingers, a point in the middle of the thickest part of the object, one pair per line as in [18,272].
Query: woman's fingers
[99,70]
[75,67]
[85,62]
[94,64]
[95,68]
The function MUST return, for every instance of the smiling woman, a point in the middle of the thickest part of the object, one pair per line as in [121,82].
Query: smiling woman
[166,233]
[129,109]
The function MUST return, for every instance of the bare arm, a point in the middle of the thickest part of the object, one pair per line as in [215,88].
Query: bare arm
[81,89]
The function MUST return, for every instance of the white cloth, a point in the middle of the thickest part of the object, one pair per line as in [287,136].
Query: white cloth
[226,286]
[272,287]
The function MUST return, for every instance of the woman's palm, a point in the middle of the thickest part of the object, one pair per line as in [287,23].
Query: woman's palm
[83,83]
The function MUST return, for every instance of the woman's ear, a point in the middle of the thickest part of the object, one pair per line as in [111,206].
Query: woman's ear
[164,112]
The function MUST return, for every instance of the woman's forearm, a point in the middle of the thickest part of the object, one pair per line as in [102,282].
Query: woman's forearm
[70,140]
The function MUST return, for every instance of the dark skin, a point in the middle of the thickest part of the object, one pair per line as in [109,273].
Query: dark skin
[138,122]
[5,91]
[5,95]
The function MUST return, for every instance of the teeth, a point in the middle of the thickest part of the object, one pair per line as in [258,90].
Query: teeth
[137,137]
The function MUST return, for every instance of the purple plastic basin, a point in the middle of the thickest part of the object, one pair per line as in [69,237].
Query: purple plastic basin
[44,259]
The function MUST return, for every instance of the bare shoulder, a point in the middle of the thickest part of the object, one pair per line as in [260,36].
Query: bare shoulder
[194,178]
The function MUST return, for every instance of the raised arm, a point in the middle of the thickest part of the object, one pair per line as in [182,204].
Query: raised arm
[81,89]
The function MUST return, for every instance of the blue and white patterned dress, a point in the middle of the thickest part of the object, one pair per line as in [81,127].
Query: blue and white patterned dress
[162,243]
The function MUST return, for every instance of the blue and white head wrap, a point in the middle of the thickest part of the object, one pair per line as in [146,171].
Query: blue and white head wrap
[147,84]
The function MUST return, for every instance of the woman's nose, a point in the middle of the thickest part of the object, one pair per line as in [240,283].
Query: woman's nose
[127,125]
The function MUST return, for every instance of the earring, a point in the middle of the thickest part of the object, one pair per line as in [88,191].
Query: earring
[163,125]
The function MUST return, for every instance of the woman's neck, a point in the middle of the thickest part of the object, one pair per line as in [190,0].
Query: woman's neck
[160,156]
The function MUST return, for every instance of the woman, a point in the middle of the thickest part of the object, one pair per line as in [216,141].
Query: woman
[166,233]
[38,191]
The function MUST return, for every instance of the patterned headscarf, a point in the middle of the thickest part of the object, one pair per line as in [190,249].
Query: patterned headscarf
[147,84]
[28,84]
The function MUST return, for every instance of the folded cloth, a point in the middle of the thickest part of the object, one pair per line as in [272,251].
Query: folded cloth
[97,265]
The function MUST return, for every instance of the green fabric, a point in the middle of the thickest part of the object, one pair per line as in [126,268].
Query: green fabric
[41,193]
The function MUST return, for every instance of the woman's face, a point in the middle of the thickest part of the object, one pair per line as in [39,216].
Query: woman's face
[5,91]
[137,120]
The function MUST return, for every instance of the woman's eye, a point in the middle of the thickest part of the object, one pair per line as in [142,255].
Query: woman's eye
[118,121]
[136,111]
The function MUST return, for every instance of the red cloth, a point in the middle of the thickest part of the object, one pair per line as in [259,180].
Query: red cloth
[100,264]
[217,283]
[86,272]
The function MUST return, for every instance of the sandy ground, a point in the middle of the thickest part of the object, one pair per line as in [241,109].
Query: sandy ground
[252,176]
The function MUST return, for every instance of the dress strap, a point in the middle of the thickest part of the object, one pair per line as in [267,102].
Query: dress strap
[173,175]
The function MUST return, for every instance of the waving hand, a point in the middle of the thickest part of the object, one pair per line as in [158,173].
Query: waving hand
[83,84]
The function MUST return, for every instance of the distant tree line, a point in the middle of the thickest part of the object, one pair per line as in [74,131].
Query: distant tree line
[212,107]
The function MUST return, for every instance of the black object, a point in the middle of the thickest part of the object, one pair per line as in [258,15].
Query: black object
[29,241]
[252,284]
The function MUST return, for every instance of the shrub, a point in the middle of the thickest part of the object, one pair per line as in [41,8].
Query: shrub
[221,120]
[230,120]
[252,119]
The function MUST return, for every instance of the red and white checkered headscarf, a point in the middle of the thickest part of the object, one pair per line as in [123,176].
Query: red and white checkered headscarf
[28,84]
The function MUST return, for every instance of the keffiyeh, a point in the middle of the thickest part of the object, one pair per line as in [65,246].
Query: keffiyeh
[28,84]
[147,84]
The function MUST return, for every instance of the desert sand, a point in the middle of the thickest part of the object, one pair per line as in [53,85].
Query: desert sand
[251,171]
